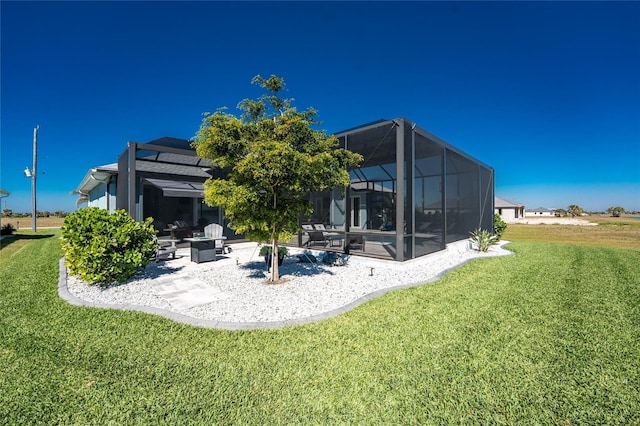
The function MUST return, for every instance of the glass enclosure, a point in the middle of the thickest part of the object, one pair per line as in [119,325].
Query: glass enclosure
[412,194]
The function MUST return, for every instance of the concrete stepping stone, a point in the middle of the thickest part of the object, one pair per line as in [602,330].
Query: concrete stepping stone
[184,293]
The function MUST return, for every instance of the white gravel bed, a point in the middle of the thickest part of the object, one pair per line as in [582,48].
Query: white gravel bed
[238,279]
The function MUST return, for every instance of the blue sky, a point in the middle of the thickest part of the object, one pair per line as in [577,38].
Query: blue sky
[547,93]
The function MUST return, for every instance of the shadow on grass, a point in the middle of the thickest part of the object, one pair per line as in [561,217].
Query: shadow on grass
[10,239]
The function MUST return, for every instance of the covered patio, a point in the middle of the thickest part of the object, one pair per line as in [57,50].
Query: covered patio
[162,179]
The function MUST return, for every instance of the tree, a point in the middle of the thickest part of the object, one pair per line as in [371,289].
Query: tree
[274,156]
[560,213]
[575,210]
[7,212]
[616,211]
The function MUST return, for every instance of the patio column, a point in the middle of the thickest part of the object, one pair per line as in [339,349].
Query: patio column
[400,190]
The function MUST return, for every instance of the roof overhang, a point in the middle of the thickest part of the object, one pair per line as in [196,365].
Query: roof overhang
[177,188]
[96,176]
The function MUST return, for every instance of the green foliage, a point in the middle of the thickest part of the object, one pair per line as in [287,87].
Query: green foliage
[275,156]
[483,239]
[616,211]
[575,210]
[7,229]
[102,248]
[560,213]
[282,251]
[499,226]
[516,340]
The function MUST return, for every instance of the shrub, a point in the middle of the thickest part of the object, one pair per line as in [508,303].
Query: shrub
[7,229]
[102,247]
[282,251]
[499,226]
[483,239]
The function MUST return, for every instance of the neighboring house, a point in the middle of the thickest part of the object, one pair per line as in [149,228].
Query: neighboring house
[508,210]
[413,194]
[540,211]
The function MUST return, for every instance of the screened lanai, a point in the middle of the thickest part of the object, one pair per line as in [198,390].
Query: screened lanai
[412,194]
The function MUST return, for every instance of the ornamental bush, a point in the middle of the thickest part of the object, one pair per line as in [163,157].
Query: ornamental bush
[499,226]
[7,229]
[483,239]
[102,247]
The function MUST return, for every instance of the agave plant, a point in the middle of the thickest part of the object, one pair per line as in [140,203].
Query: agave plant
[484,239]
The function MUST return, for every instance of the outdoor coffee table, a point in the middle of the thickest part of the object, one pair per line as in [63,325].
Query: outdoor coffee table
[203,249]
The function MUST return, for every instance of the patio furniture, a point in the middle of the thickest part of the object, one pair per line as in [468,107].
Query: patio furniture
[180,229]
[163,251]
[202,249]
[205,249]
[315,236]
[330,237]
[215,231]
[170,241]
[355,242]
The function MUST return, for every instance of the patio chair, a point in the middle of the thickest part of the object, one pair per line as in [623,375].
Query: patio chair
[163,252]
[180,229]
[355,242]
[315,236]
[329,236]
[215,231]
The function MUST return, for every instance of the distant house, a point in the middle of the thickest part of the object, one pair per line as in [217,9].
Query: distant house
[412,195]
[508,210]
[540,211]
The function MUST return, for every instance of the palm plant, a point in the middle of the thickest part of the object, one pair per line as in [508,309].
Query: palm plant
[483,239]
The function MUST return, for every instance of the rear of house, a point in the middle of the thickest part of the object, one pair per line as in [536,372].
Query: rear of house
[413,194]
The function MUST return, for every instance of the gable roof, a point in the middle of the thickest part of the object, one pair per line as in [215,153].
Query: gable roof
[505,203]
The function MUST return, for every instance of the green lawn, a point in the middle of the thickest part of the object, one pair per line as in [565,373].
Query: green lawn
[548,336]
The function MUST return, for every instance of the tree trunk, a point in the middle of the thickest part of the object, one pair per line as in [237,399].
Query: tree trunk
[275,269]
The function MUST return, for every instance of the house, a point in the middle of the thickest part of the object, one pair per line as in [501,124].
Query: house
[539,212]
[163,179]
[508,210]
[413,194]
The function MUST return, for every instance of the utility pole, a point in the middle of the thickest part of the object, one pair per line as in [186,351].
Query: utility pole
[33,179]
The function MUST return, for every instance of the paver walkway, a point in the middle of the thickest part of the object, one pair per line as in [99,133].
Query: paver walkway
[186,292]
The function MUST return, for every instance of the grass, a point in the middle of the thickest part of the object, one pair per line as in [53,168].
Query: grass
[548,336]
[24,223]
[610,232]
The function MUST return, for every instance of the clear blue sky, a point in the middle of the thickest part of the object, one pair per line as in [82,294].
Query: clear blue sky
[547,93]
